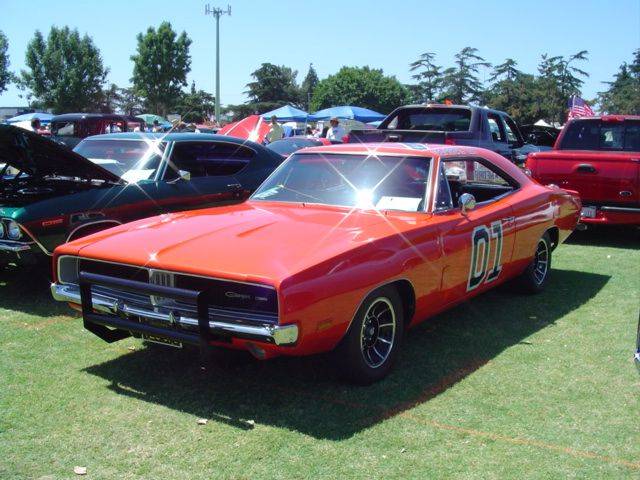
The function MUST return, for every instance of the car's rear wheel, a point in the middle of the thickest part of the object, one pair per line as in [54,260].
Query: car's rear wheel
[370,348]
[534,278]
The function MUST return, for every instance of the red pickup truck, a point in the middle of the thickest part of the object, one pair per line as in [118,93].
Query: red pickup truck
[600,158]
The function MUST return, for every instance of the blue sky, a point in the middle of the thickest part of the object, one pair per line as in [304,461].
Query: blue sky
[330,34]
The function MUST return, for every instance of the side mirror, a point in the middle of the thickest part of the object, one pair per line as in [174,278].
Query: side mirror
[467,202]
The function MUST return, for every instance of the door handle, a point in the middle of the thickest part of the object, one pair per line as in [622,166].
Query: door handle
[235,186]
[586,168]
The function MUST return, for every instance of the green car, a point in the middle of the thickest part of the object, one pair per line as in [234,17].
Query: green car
[50,195]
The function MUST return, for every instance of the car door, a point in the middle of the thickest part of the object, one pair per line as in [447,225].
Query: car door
[204,173]
[498,135]
[478,243]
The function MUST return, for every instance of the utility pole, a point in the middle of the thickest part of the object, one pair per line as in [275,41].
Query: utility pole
[217,13]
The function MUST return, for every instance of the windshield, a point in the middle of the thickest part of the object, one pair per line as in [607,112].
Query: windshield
[599,135]
[288,146]
[361,181]
[424,118]
[131,160]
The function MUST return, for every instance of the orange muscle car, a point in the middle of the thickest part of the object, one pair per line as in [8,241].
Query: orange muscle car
[342,248]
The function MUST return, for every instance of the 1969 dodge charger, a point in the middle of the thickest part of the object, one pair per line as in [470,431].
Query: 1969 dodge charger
[342,248]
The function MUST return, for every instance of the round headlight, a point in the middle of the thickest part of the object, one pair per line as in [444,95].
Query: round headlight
[13,231]
[2,232]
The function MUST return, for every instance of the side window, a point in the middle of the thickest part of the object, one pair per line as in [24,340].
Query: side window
[495,128]
[511,129]
[443,196]
[611,136]
[632,136]
[64,129]
[471,175]
[208,159]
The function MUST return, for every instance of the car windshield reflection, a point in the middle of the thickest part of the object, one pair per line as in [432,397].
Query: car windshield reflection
[358,181]
[131,160]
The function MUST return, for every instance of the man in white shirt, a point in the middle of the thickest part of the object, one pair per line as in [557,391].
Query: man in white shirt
[336,132]
[276,132]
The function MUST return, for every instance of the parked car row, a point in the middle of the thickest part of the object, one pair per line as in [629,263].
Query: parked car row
[338,248]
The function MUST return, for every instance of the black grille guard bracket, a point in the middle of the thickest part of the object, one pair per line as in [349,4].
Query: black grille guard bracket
[97,323]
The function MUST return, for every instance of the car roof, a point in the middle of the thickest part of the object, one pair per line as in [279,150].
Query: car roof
[412,149]
[80,116]
[169,137]
[611,117]
[446,106]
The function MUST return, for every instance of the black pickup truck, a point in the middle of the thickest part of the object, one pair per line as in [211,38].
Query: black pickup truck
[452,125]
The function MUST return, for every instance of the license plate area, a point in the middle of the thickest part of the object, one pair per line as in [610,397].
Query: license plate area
[588,212]
[161,340]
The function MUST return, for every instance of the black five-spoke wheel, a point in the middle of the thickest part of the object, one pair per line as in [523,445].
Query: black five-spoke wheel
[534,278]
[370,347]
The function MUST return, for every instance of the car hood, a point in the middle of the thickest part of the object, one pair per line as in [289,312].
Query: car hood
[37,156]
[253,241]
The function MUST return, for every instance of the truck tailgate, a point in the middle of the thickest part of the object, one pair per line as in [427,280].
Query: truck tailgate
[600,177]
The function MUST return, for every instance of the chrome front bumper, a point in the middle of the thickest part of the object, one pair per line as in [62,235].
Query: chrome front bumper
[14,247]
[274,334]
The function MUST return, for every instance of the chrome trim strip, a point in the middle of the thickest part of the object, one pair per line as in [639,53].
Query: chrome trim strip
[15,247]
[620,209]
[277,334]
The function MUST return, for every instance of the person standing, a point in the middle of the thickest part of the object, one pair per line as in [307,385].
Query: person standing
[35,125]
[336,132]
[276,132]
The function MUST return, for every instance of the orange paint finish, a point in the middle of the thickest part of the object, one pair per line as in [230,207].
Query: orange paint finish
[324,260]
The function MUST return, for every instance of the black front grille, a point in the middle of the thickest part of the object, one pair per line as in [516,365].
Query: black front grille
[227,301]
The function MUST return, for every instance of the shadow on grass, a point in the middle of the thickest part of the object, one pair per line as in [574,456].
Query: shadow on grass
[607,236]
[27,290]
[303,394]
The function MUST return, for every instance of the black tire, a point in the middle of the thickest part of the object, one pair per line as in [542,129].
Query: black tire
[534,278]
[370,348]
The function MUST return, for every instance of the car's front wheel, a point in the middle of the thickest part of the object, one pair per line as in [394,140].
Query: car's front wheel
[371,346]
[534,278]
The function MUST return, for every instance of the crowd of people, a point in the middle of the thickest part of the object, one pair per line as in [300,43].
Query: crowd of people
[334,132]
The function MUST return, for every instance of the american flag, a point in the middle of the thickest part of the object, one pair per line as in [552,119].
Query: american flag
[578,108]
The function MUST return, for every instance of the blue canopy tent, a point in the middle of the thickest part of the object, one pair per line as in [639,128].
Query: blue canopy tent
[287,114]
[353,113]
[27,117]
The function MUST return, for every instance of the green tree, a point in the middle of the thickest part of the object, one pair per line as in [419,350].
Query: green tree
[160,67]
[129,102]
[5,75]
[461,83]
[274,84]
[309,84]
[623,94]
[65,71]
[517,96]
[559,79]
[428,76]
[195,105]
[360,86]
[109,99]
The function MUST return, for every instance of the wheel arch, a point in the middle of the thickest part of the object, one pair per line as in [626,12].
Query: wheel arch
[92,227]
[554,235]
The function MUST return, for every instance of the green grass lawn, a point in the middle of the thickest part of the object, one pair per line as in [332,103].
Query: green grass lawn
[505,386]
